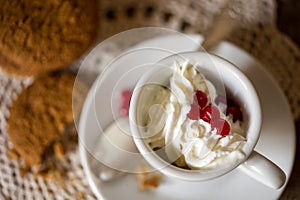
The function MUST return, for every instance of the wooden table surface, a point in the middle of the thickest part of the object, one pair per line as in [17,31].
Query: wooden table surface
[288,21]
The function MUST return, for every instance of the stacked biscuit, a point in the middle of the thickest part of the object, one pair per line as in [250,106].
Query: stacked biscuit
[39,38]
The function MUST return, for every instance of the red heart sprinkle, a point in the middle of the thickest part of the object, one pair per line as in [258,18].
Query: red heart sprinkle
[125,102]
[194,112]
[201,98]
[210,112]
[222,126]
[235,112]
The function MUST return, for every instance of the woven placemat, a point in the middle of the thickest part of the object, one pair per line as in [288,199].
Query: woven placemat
[279,55]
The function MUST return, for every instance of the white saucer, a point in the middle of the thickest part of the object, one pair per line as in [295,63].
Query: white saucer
[277,141]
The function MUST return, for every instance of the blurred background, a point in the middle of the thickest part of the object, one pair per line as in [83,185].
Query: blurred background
[288,19]
[288,22]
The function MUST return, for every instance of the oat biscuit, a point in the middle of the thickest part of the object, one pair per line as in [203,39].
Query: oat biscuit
[40,115]
[40,36]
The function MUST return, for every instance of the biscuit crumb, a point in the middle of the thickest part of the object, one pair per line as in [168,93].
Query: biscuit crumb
[24,171]
[59,150]
[80,195]
[149,179]
[53,175]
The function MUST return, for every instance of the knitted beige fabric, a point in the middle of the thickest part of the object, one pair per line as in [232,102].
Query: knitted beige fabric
[279,55]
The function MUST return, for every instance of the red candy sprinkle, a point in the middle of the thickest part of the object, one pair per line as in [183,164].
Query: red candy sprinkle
[222,126]
[210,112]
[194,113]
[125,102]
[235,112]
[201,98]
[200,101]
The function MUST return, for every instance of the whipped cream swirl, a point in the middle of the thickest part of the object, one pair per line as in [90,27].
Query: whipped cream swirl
[191,143]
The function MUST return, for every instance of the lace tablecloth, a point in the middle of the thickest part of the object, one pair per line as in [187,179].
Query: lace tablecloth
[279,55]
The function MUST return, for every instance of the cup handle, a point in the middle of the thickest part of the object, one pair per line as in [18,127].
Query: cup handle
[263,170]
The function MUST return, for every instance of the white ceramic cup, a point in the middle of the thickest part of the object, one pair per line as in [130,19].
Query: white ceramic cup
[214,68]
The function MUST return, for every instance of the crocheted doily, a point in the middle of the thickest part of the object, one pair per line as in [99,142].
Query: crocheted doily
[279,55]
